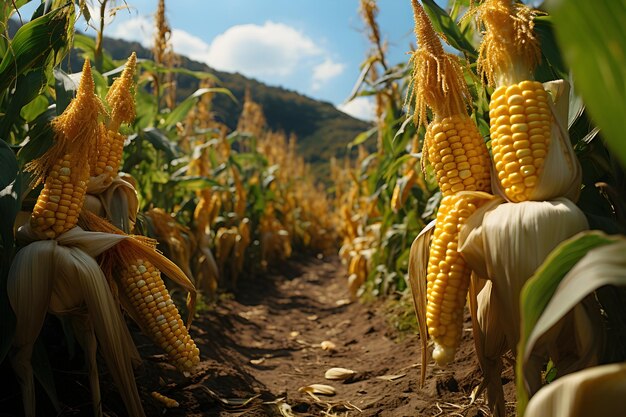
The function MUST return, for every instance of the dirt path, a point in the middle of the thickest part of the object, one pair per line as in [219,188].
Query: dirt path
[261,346]
[267,342]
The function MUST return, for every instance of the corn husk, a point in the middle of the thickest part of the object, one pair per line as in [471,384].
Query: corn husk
[178,240]
[596,391]
[507,242]
[66,280]
[489,341]
[206,270]
[115,200]
[418,267]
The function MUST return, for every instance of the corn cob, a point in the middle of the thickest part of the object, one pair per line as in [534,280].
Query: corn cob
[144,287]
[448,277]
[520,136]
[64,168]
[452,143]
[519,110]
[122,103]
[131,266]
[459,156]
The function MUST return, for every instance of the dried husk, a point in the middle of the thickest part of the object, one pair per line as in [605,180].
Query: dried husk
[418,266]
[596,391]
[115,200]
[206,271]
[489,341]
[65,279]
[507,242]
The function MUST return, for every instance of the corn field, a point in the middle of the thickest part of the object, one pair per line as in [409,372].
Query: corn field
[486,205]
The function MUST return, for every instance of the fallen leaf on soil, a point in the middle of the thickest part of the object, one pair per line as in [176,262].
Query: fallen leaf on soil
[391,377]
[318,389]
[328,345]
[339,373]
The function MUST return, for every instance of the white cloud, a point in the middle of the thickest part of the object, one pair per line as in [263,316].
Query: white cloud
[273,49]
[139,29]
[362,108]
[326,71]
[190,46]
[270,52]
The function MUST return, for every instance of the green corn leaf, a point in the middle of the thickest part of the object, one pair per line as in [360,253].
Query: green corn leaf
[160,141]
[539,289]
[27,87]
[592,36]
[180,112]
[32,44]
[443,23]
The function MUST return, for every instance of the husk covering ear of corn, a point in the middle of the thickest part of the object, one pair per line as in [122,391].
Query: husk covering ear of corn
[66,280]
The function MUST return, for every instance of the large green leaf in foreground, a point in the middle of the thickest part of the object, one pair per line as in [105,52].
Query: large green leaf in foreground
[592,35]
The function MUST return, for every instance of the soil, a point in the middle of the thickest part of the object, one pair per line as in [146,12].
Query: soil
[262,345]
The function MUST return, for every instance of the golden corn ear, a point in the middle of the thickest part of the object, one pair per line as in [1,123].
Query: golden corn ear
[109,154]
[121,96]
[61,199]
[64,167]
[458,154]
[144,287]
[520,136]
[448,278]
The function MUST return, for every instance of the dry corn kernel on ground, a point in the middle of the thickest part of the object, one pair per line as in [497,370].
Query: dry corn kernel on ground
[146,291]
[165,400]
[61,199]
[458,154]
[448,278]
[521,123]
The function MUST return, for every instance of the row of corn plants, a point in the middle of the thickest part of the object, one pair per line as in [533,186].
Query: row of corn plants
[100,167]
[495,146]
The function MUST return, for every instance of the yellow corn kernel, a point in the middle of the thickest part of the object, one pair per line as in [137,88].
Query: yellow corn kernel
[461,162]
[143,285]
[50,215]
[448,278]
[531,137]
[166,401]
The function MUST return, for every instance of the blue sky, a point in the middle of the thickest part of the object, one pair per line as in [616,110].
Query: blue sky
[314,47]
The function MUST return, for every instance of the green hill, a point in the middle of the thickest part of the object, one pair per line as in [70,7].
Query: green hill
[322,130]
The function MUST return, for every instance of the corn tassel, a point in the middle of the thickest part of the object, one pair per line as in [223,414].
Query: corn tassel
[452,144]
